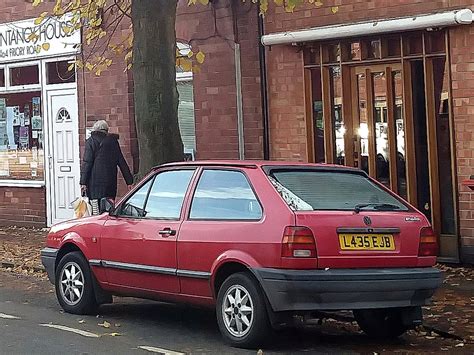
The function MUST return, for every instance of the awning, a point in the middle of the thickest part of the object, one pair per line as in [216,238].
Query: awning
[420,22]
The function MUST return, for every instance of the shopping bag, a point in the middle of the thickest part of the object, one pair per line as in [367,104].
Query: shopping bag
[82,207]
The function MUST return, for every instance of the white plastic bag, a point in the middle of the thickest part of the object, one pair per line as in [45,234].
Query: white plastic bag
[82,207]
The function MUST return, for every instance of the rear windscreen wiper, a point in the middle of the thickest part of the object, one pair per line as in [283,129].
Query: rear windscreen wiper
[376,206]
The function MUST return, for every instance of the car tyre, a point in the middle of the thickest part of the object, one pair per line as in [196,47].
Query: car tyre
[241,312]
[380,323]
[74,284]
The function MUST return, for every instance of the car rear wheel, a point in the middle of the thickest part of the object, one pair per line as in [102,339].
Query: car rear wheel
[74,287]
[241,312]
[380,323]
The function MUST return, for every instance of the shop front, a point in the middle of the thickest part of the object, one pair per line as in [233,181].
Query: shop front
[39,140]
[381,95]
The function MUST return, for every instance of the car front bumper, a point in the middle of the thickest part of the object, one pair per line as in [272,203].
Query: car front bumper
[48,259]
[347,289]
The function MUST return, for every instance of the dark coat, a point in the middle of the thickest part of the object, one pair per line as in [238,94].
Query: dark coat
[99,168]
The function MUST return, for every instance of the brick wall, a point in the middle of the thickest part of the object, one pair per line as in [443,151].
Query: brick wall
[22,206]
[462,69]
[215,86]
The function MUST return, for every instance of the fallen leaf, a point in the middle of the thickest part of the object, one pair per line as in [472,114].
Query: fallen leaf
[105,324]
[82,321]
[460,345]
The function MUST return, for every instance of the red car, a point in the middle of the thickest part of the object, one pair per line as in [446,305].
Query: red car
[259,241]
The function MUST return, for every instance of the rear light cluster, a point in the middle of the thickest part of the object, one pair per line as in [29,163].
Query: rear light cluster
[428,242]
[298,242]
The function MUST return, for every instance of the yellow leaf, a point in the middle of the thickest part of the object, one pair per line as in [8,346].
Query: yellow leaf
[204,2]
[278,2]
[200,56]
[190,54]
[105,324]
[89,66]
[37,2]
[334,9]
[46,46]
[39,20]
[186,64]
[318,3]
[71,67]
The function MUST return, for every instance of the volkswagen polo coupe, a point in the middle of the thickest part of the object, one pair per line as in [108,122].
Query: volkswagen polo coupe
[262,242]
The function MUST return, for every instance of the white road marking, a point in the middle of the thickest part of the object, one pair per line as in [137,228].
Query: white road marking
[72,330]
[7,316]
[152,349]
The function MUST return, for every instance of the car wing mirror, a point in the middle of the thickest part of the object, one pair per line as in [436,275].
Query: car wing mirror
[106,205]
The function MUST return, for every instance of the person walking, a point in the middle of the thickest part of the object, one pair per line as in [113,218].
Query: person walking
[102,156]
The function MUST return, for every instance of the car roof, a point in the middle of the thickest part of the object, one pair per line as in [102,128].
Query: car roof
[255,164]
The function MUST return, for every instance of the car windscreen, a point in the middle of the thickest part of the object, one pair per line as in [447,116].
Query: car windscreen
[332,190]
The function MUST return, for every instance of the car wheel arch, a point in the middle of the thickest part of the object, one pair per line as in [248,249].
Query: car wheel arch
[66,248]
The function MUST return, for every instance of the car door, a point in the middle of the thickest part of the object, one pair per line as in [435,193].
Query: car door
[139,242]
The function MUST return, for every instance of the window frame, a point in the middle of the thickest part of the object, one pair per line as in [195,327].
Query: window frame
[116,212]
[195,187]
[4,68]
[30,87]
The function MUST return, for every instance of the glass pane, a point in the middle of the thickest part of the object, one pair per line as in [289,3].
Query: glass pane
[21,137]
[443,135]
[335,190]
[373,49]
[28,75]
[363,131]
[332,53]
[339,130]
[58,73]
[412,44]
[224,195]
[312,56]
[167,194]
[421,138]
[392,47]
[2,77]
[435,42]
[400,133]
[318,119]
[379,83]
[134,205]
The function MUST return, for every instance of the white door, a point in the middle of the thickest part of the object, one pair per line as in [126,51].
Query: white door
[64,164]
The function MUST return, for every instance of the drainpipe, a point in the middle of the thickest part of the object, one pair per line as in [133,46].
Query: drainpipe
[238,83]
[240,109]
[263,86]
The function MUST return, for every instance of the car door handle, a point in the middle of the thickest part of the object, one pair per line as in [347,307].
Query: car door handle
[167,232]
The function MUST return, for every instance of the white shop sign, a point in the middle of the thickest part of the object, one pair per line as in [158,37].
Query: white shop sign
[51,39]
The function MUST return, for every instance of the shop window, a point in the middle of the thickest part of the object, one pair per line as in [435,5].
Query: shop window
[186,118]
[21,137]
[372,49]
[339,130]
[2,77]
[318,118]
[58,73]
[25,75]
[443,136]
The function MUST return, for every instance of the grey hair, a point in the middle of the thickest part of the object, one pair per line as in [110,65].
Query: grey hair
[100,126]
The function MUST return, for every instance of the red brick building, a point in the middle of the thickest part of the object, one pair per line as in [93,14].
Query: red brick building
[381,85]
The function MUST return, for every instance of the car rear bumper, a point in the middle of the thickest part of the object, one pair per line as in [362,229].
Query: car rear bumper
[48,259]
[338,289]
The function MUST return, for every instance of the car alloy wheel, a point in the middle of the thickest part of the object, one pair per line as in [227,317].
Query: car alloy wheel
[72,283]
[237,311]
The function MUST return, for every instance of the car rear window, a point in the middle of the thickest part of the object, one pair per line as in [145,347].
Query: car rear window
[332,190]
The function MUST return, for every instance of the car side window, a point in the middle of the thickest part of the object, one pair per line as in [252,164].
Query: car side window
[133,207]
[224,195]
[167,194]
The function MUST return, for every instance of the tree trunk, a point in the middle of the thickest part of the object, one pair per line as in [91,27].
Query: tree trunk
[154,76]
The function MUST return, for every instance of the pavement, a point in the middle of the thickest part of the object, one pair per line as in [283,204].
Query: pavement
[31,320]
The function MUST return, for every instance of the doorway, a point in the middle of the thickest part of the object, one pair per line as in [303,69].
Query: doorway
[63,154]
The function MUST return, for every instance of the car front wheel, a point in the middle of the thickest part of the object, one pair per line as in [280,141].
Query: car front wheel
[241,312]
[74,288]
[380,323]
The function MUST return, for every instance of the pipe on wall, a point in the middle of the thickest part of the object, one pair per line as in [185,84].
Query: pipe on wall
[263,86]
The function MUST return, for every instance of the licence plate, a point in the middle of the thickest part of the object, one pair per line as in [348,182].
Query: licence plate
[366,242]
